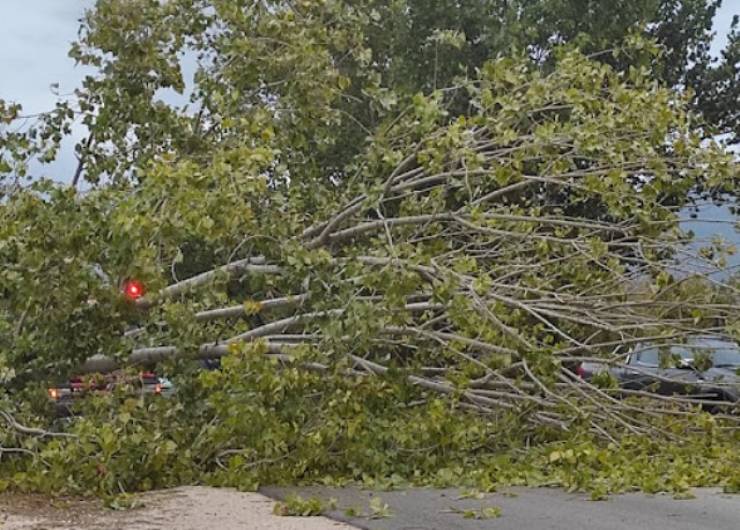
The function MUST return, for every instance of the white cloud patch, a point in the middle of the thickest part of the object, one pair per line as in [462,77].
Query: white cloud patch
[36,37]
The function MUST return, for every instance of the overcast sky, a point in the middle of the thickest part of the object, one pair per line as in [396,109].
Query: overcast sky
[34,39]
[35,36]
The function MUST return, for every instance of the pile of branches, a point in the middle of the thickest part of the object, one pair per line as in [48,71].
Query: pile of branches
[495,255]
[479,257]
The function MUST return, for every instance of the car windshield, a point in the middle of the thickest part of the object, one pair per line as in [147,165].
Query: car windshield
[722,353]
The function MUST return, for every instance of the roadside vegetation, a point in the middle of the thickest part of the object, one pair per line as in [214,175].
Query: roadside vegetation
[401,227]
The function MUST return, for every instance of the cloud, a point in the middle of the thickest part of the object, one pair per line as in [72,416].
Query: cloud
[721,22]
[36,38]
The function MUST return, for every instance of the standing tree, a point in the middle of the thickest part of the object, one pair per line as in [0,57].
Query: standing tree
[337,69]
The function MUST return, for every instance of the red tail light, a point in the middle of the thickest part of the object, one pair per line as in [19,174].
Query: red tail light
[580,372]
[133,289]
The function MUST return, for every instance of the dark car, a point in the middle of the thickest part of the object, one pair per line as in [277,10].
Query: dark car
[65,396]
[99,373]
[705,367]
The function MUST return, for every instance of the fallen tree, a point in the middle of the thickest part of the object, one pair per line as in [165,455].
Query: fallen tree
[463,273]
[498,252]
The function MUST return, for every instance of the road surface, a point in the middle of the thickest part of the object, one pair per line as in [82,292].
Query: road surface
[197,508]
[531,509]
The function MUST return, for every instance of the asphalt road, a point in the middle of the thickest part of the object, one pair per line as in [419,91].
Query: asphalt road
[530,509]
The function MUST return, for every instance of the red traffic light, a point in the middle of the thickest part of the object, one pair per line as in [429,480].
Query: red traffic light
[133,289]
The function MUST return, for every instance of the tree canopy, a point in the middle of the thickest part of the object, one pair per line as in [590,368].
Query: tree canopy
[337,70]
[400,225]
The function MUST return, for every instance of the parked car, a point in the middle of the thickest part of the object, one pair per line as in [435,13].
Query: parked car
[705,367]
[100,373]
[65,396]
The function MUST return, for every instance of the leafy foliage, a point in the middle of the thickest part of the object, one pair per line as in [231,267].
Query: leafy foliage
[295,505]
[485,512]
[338,71]
[141,446]
[399,277]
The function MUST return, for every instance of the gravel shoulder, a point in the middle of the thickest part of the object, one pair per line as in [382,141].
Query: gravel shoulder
[186,508]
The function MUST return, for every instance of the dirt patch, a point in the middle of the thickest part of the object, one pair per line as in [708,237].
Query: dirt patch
[19,511]
[187,508]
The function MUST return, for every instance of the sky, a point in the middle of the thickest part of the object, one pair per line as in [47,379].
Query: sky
[722,21]
[35,36]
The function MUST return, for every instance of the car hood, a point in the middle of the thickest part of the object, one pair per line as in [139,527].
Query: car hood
[727,379]
[725,375]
